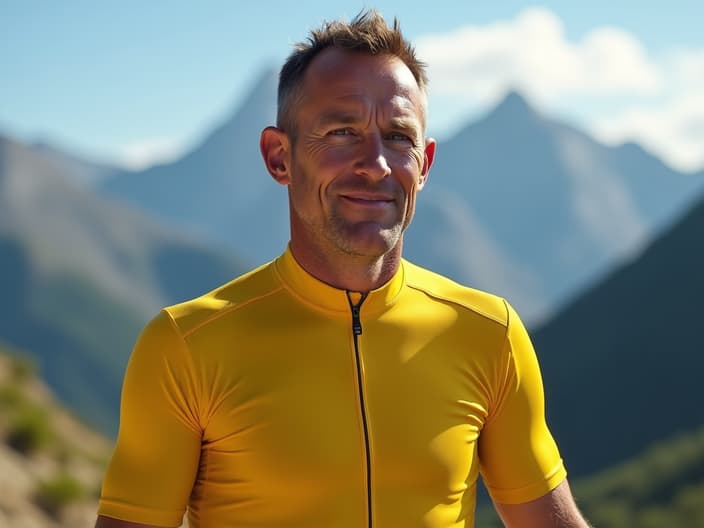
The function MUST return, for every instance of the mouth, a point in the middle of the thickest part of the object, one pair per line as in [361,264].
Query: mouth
[368,199]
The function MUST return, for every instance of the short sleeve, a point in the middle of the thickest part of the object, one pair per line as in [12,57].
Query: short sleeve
[156,457]
[519,459]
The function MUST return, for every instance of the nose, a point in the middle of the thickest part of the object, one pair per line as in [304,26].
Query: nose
[372,160]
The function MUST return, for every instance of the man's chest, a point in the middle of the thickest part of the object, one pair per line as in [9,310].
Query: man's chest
[308,411]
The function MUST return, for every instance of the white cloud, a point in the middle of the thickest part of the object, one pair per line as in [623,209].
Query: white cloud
[674,132]
[674,128]
[687,66]
[140,154]
[531,53]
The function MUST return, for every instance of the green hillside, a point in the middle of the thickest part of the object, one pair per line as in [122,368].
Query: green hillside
[662,488]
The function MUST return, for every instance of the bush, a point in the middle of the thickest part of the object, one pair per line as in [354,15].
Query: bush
[55,494]
[11,397]
[22,369]
[30,431]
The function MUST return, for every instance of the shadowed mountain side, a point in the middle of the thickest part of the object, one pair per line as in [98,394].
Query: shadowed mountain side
[622,364]
[220,188]
[79,336]
[81,275]
[15,282]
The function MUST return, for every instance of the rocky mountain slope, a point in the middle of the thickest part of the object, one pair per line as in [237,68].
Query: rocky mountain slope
[51,465]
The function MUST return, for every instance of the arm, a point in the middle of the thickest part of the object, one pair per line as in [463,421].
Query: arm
[556,509]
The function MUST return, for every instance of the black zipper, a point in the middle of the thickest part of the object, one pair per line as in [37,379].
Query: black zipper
[357,331]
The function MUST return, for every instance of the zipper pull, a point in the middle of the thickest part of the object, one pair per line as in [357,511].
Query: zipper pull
[356,321]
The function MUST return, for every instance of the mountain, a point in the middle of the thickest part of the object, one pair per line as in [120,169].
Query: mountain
[80,276]
[517,204]
[622,363]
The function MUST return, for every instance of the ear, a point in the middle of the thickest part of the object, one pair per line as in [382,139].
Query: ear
[428,157]
[275,147]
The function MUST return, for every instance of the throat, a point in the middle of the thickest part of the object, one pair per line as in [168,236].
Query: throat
[345,271]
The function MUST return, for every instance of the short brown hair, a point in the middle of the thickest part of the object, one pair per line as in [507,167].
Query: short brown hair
[366,33]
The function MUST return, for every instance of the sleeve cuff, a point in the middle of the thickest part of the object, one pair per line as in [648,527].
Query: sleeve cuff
[137,514]
[531,491]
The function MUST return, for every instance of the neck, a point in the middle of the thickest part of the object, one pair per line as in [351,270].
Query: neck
[349,272]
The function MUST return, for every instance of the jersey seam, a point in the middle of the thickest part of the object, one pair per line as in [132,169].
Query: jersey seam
[458,303]
[225,311]
[191,365]
[204,455]
[491,416]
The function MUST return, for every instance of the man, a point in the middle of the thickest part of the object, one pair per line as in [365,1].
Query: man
[338,386]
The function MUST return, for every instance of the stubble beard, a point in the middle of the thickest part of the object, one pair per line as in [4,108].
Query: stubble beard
[362,239]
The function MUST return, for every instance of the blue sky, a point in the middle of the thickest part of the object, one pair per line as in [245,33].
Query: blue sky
[134,81]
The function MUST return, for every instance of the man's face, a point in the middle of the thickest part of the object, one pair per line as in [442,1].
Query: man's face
[359,155]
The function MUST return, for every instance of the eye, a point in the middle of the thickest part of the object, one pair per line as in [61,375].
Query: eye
[340,132]
[400,137]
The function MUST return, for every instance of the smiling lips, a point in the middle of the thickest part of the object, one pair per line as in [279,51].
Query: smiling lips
[368,199]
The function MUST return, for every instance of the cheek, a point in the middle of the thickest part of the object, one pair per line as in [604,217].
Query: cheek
[411,159]
[321,154]
[408,170]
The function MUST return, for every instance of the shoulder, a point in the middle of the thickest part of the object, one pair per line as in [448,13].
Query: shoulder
[242,291]
[443,289]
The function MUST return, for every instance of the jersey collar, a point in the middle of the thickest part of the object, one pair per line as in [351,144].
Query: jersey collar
[313,291]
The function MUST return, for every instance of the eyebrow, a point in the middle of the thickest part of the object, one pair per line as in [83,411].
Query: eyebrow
[403,123]
[337,117]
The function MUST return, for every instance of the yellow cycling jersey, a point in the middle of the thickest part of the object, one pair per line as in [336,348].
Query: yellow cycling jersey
[279,401]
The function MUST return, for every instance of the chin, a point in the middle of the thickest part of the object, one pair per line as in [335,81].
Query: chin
[374,244]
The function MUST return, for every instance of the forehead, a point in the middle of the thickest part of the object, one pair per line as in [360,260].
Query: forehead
[345,78]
